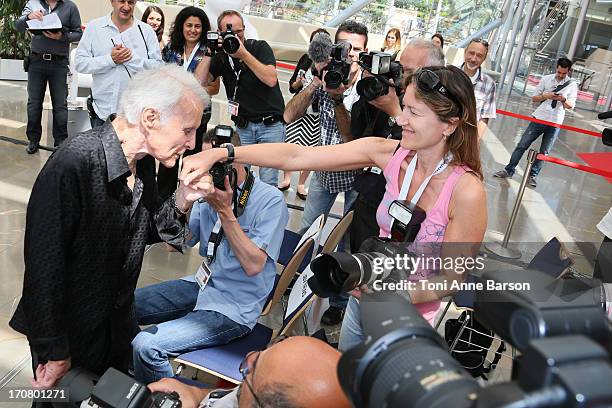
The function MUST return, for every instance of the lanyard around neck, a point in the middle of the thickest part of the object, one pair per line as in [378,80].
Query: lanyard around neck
[187,61]
[410,174]
[239,205]
[237,73]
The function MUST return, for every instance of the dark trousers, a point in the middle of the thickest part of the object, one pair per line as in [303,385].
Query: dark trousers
[41,73]
[364,223]
[167,178]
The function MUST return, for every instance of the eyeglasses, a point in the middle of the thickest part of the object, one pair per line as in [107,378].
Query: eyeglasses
[428,81]
[246,367]
[390,37]
[481,41]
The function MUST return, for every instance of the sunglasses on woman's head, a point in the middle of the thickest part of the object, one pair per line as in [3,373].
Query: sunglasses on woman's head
[428,81]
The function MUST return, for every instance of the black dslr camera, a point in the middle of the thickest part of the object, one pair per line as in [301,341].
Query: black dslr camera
[340,272]
[223,134]
[338,69]
[113,390]
[383,69]
[229,41]
[606,134]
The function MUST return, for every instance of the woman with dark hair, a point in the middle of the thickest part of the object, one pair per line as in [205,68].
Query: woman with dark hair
[154,16]
[305,130]
[439,126]
[393,42]
[438,40]
[186,48]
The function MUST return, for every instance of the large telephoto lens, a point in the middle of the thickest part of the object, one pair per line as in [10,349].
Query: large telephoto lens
[403,362]
[230,43]
[340,272]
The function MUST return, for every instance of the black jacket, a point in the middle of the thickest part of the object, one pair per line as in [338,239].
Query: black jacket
[85,238]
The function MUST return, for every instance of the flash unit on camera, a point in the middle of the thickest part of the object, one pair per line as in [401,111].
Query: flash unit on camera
[407,219]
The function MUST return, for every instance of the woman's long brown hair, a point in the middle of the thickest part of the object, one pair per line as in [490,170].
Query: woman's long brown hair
[463,142]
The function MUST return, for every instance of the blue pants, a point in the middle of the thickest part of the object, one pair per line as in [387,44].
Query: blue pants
[256,133]
[351,333]
[169,305]
[320,201]
[533,131]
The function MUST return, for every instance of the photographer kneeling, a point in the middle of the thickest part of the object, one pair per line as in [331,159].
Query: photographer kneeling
[240,228]
[439,125]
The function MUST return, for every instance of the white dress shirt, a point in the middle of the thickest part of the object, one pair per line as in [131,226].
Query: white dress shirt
[93,56]
[545,111]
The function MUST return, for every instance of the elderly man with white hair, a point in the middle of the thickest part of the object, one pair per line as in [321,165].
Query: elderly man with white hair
[93,209]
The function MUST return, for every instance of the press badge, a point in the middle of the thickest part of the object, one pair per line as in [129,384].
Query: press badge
[232,108]
[203,275]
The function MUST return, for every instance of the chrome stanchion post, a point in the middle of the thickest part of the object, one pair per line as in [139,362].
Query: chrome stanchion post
[502,249]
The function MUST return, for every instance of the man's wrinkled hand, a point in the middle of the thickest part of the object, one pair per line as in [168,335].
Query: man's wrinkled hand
[48,374]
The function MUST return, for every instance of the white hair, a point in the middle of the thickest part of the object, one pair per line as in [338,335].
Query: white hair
[162,89]
[435,56]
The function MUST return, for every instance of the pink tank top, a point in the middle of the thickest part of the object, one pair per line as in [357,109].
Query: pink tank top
[432,230]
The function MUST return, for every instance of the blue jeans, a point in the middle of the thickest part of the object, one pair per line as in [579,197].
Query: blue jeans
[320,201]
[533,131]
[169,305]
[351,333]
[256,133]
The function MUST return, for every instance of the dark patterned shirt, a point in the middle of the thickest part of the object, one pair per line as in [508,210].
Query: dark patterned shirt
[85,238]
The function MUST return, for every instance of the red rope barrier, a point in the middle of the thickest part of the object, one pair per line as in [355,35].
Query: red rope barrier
[582,167]
[544,122]
[285,65]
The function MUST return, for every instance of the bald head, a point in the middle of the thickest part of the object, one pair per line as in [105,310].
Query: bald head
[421,53]
[303,369]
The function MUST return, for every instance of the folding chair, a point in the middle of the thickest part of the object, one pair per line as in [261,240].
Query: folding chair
[292,266]
[293,240]
[224,361]
[337,233]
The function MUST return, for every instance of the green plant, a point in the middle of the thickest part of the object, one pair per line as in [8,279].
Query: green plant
[13,45]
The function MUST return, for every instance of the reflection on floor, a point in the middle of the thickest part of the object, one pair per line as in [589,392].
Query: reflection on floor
[566,204]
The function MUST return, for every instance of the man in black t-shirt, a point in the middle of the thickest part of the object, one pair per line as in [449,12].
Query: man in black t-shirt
[255,101]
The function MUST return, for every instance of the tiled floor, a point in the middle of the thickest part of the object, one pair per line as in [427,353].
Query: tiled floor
[566,204]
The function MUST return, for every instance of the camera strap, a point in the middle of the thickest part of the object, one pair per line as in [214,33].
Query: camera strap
[237,72]
[410,174]
[216,236]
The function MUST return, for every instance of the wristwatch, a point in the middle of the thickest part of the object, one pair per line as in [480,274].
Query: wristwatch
[230,152]
[392,121]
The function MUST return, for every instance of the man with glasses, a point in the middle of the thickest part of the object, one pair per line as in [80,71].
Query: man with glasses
[555,94]
[113,49]
[255,101]
[291,372]
[484,86]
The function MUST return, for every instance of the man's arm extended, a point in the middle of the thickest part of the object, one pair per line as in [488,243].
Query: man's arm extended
[343,121]
[297,106]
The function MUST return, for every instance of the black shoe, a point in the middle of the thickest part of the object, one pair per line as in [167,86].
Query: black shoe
[332,316]
[32,148]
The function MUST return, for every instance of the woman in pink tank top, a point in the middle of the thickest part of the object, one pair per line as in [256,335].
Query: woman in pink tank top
[439,135]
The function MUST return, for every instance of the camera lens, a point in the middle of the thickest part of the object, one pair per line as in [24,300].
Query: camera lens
[333,79]
[231,44]
[371,88]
